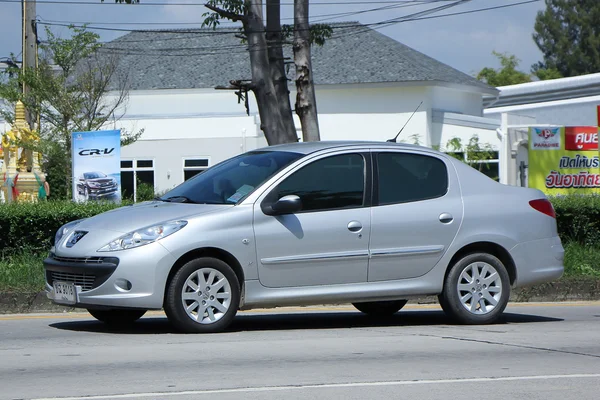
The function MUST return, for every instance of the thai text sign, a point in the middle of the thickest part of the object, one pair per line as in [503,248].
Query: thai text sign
[564,159]
[96,165]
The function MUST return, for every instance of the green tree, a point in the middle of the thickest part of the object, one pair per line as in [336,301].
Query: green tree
[507,75]
[510,75]
[267,63]
[568,34]
[70,91]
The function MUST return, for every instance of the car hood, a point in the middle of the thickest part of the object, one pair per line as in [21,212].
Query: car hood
[128,218]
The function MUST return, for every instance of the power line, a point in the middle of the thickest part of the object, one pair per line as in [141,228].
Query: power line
[350,30]
[313,17]
[100,3]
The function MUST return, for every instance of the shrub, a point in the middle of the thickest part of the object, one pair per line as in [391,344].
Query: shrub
[32,226]
[578,218]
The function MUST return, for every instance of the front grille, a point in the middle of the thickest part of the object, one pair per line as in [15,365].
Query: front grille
[85,260]
[86,281]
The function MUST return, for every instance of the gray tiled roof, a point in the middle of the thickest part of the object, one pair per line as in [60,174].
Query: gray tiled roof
[207,58]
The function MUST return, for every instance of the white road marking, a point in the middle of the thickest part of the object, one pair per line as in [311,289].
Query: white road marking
[325,386]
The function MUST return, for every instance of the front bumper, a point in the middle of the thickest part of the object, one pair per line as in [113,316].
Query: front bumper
[538,261]
[133,278]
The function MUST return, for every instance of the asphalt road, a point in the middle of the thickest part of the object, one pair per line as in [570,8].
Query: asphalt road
[548,351]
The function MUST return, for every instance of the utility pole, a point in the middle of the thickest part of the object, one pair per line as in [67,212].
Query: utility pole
[30,61]
[29,49]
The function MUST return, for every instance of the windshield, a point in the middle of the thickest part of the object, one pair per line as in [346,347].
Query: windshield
[232,180]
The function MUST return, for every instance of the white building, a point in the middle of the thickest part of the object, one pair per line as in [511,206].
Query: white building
[367,87]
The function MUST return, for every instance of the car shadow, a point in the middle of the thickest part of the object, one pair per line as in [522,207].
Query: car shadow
[296,321]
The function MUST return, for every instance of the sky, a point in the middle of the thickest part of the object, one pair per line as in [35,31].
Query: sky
[464,41]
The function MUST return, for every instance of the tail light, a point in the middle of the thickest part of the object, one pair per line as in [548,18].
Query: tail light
[544,206]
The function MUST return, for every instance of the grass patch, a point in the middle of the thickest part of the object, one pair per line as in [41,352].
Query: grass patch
[581,261]
[22,272]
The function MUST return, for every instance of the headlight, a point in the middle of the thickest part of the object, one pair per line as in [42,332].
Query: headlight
[144,236]
[66,228]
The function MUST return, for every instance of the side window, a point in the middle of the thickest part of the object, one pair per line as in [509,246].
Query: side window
[406,177]
[330,183]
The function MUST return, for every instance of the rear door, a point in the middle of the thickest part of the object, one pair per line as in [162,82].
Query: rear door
[417,211]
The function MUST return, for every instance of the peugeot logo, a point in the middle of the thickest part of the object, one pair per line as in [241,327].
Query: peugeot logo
[75,237]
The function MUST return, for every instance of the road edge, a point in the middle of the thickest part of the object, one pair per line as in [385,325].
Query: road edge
[566,289]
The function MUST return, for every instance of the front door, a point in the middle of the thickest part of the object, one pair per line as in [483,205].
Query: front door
[417,210]
[327,241]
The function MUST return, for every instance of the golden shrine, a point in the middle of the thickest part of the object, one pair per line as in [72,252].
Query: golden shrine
[20,175]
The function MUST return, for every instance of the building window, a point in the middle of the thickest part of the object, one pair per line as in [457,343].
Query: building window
[137,179]
[486,162]
[194,166]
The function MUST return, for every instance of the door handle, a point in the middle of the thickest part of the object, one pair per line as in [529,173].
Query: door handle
[446,218]
[354,226]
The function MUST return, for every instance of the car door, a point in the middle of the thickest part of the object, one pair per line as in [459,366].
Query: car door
[417,211]
[326,242]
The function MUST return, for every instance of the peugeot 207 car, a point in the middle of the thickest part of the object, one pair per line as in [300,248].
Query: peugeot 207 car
[368,223]
[93,185]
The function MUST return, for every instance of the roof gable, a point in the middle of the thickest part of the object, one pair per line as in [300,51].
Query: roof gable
[205,58]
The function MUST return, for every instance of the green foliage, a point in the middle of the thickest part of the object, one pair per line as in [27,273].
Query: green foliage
[22,272]
[32,226]
[578,218]
[568,34]
[144,192]
[581,260]
[68,93]
[507,75]
[474,153]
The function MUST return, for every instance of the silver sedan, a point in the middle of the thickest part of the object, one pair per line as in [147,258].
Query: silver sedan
[368,223]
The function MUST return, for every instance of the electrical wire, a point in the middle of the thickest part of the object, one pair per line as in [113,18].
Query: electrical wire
[341,29]
[102,3]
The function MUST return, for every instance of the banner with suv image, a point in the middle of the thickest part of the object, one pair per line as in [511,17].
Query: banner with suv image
[96,165]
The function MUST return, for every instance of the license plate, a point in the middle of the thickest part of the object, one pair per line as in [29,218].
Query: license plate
[65,293]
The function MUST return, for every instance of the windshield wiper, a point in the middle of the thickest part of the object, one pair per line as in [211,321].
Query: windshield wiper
[178,199]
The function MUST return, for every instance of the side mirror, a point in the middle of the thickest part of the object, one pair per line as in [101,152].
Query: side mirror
[285,205]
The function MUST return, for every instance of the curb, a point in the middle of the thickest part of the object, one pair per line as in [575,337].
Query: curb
[566,289]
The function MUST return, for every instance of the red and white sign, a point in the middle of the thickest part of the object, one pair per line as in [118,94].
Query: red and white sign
[581,138]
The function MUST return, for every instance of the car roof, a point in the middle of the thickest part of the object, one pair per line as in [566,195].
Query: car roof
[311,147]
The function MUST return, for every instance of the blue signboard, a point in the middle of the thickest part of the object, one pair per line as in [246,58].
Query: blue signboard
[96,165]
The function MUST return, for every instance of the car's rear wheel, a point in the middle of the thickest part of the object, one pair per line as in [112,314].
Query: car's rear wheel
[476,289]
[380,308]
[117,317]
[203,296]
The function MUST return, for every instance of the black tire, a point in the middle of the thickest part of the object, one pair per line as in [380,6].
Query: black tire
[117,317]
[474,313]
[174,304]
[380,308]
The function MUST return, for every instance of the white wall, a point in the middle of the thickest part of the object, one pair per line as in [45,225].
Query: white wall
[211,124]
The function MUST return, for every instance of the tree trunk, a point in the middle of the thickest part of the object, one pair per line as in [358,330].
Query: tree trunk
[277,65]
[306,104]
[271,121]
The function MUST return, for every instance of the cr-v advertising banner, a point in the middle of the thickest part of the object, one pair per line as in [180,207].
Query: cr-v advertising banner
[96,165]
[564,160]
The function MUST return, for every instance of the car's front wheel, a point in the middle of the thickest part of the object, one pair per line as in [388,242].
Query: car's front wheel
[380,308]
[476,289]
[203,296]
[117,317]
